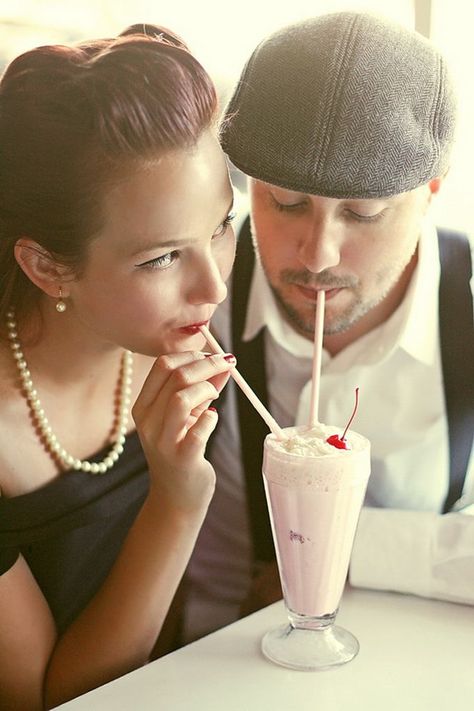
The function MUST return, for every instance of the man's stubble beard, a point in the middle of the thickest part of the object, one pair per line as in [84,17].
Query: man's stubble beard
[338,324]
[306,278]
[341,323]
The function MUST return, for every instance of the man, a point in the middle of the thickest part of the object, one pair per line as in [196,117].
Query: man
[345,124]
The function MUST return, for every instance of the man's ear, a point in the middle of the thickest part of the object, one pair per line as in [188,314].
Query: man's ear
[40,267]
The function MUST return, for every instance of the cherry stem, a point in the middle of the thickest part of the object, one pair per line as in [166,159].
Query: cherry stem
[353,413]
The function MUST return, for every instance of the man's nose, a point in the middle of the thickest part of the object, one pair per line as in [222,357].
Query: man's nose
[320,245]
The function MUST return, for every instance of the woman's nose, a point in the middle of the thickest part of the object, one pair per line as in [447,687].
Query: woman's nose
[208,286]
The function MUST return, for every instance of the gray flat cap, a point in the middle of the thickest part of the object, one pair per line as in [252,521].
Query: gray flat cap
[346,105]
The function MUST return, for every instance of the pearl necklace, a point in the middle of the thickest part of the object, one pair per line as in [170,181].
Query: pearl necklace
[47,435]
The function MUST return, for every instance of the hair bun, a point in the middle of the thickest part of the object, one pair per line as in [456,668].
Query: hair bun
[155,32]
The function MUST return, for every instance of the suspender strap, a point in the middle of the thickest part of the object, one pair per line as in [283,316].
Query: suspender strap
[251,363]
[457,355]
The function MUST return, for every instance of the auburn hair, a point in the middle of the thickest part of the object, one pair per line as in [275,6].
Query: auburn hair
[73,120]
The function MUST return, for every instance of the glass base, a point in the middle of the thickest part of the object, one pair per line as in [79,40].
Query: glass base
[309,649]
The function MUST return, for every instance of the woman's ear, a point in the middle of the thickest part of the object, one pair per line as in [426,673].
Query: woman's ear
[40,267]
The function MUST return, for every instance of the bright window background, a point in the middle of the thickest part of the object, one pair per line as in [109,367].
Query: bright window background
[222,35]
[452,31]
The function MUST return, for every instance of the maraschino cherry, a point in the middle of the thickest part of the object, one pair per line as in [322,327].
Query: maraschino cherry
[341,442]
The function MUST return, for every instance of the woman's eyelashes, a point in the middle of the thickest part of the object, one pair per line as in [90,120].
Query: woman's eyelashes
[166,260]
[224,225]
[162,262]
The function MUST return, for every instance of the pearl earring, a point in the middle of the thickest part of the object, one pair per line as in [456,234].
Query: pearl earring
[60,304]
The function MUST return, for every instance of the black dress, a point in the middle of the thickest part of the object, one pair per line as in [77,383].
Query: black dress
[71,530]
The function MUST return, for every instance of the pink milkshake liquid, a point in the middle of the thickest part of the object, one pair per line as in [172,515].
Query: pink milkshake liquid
[315,493]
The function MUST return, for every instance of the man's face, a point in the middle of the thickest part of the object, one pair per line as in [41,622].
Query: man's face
[359,251]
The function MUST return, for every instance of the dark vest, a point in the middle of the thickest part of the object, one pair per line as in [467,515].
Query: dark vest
[457,353]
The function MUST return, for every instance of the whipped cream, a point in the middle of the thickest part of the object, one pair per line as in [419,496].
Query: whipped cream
[311,441]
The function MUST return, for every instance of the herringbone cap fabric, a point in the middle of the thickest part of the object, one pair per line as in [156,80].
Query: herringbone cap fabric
[346,105]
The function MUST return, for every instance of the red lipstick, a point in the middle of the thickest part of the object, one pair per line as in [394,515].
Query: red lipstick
[193,328]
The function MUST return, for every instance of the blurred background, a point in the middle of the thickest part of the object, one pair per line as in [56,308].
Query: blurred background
[222,35]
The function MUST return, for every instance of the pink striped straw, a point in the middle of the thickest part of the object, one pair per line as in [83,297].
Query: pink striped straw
[245,387]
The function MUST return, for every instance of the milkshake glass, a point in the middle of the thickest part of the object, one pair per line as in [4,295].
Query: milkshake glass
[314,494]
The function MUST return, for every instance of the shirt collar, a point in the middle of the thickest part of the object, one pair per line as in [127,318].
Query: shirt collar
[263,311]
[419,330]
[403,329]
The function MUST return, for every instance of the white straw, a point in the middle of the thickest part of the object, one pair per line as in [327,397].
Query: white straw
[245,387]
[317,353]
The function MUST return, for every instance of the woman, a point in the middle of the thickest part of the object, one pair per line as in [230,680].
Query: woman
[115,239]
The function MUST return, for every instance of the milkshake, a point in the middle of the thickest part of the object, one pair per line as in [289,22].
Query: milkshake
[315,492]
[315,495]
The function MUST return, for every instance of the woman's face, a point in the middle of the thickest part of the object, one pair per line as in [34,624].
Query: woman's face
[159,265]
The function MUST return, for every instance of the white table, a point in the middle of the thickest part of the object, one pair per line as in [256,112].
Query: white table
[415,655]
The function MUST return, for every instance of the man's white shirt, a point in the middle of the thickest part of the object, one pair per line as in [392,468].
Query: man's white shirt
[402,543]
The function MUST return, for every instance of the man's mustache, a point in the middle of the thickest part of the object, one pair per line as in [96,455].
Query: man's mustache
[316,281]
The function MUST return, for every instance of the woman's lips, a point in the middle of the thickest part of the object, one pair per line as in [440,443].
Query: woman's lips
[193,328]
[311,294]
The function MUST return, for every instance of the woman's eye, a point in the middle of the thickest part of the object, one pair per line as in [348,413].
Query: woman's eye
[224,225]
[166,260]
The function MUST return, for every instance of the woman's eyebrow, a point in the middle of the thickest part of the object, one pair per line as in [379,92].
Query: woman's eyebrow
[161,244]
[156,243]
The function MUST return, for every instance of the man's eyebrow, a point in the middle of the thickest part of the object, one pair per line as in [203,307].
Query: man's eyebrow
[155,244]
